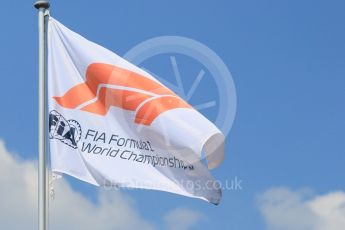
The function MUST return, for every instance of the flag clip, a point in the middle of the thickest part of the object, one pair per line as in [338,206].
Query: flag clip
[47,13]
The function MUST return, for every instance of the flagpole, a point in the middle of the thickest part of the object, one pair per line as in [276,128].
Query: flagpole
[41,6]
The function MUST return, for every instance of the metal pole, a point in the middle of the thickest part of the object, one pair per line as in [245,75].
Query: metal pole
[42,195]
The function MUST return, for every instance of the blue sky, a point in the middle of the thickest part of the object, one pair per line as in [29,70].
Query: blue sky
[287,62]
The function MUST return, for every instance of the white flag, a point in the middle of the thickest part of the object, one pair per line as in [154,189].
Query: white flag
[113,124]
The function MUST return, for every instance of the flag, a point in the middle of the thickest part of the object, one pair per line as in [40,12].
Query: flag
[113,124]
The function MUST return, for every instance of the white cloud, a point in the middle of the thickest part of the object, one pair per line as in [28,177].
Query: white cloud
[182,219]
[331,209]
[70,209]
[284,209]
[114,210]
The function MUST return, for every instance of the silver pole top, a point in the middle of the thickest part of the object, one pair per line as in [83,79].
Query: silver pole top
[42,4]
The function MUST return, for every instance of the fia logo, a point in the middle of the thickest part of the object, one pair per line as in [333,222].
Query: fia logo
[67,131]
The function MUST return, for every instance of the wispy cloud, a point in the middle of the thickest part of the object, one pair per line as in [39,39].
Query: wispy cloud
[285,209]
[182,219]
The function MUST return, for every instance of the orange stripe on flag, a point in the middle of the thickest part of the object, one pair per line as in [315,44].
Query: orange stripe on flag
[121,88]
[125,99]
[153,108]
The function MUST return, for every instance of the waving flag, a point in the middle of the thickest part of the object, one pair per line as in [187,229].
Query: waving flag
[113,124]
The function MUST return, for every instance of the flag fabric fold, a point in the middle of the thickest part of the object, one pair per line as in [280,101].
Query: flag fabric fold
[113,124]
